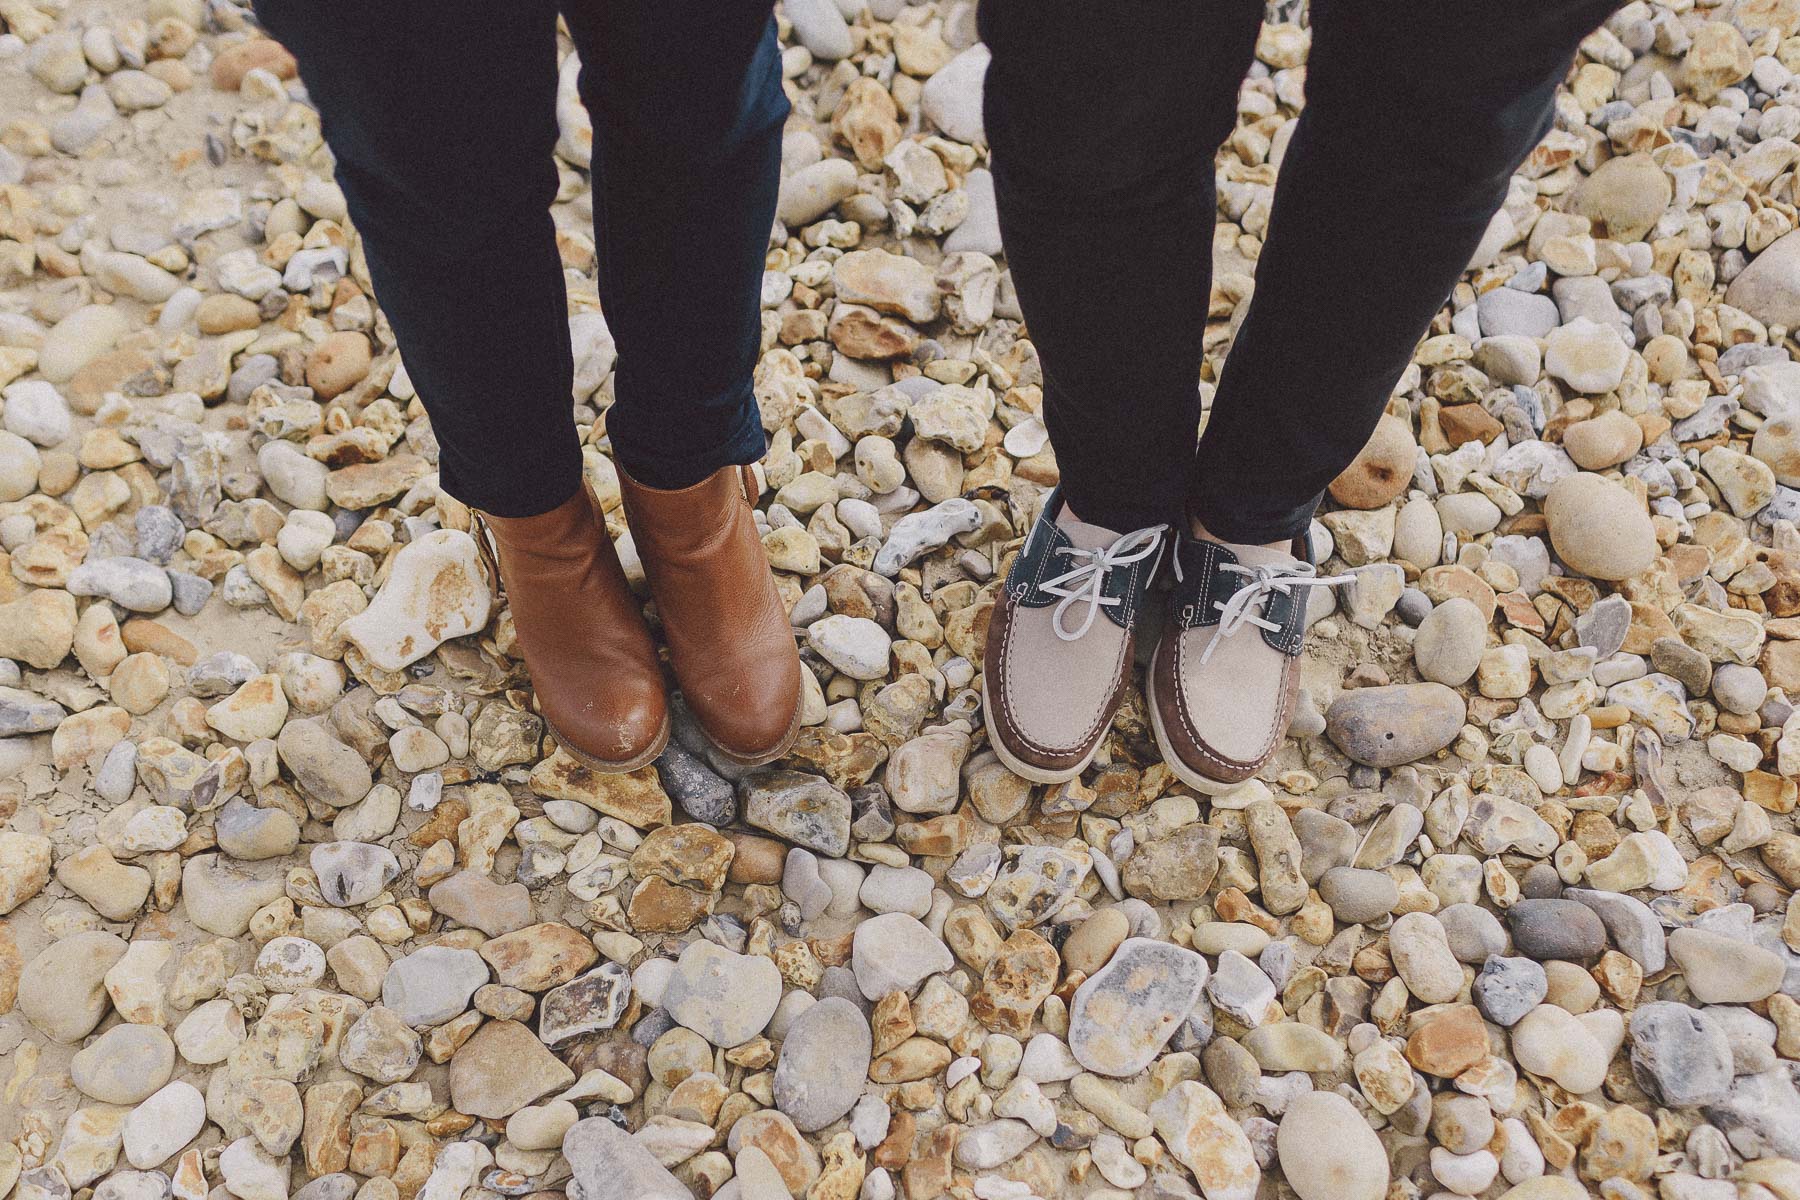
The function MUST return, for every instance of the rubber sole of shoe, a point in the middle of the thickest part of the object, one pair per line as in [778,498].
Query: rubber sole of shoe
[1024,770]
[609,767]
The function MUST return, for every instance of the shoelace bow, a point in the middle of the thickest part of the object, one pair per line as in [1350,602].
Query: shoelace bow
[1087,581]
[1265,582]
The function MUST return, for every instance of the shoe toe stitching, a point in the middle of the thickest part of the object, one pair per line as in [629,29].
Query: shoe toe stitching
[1199,743]
[1101,715]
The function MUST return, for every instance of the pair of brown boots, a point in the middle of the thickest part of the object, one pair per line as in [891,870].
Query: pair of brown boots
[582,632]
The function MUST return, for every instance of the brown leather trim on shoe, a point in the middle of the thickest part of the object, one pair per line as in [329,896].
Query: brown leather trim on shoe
[1023,756]
[1174,727]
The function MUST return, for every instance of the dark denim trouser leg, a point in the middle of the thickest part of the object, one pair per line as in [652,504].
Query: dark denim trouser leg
[1414,123]
[441,116]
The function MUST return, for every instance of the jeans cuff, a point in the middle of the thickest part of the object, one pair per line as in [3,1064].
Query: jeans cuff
[669,459]
[1229,524]
[516,493]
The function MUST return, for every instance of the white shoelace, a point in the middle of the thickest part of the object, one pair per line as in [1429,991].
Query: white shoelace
[1253,597]
[1087,581]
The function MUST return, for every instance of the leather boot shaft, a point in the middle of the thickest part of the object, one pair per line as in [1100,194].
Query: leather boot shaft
[729,640]
[582,634]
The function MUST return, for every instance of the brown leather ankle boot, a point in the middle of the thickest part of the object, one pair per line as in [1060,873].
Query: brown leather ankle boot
[728,634]
[583,635]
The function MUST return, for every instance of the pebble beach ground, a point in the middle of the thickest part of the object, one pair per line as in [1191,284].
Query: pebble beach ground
[298,899]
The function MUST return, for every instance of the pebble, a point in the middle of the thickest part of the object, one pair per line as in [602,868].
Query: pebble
[1680,1055]
[1193,1123]
[893,952]
[1450,642]
[1125,1013]
[304,822]
[1328,1152]
[161,1124]
[432,984]
[1508,988]
[435,591]
[352,873]
[726,998]
[817,1077]
[501,1069]
[1556,928]
[608,1164]
[1597,528]
[1421,953]
[124,1065]
[1551,1042]
[1725,970]
[1393,725]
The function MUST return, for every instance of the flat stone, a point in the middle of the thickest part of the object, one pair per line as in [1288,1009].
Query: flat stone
[1122,1016]
[893,952]
[62,991]
[24,867]
[435,590]
[1723,970]
[1769,288]
[823,1065]
[432,984]
[804,809]
[471,898]
[163,1123]
[586,1004]
[501,1069]
[1192,1121]
[724,997]
[1680,1055]
[1393,725]
[608,1164]
[539,956]
[124,1065]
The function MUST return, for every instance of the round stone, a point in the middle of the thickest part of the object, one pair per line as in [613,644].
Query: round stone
[1598,528]
[1123,1015]
[1450,641]
[124,1065]
[1328,1152]
[823,1065]
[1382,470]
[1397,724]
[1603,441]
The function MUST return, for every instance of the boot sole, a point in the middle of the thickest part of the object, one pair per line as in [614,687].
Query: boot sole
[997,742]
[608,766]
[778,750]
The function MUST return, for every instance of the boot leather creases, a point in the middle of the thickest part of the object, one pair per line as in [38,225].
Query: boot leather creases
[582,634]
[729,640]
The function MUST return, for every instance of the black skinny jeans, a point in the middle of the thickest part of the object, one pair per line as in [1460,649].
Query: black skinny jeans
[1103,120]
[441,114]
